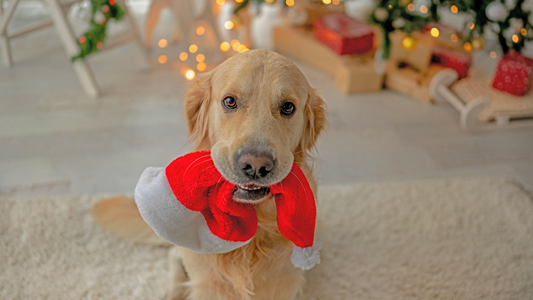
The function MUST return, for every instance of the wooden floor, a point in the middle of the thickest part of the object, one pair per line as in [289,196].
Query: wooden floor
[55,140]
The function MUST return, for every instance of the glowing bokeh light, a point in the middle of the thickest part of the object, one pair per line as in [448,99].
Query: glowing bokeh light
[225,46]
[190,74]
[454,9]
[201,66]
[228,25]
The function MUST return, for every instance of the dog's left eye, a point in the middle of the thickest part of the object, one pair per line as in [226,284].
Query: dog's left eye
[229,103]
[287,108]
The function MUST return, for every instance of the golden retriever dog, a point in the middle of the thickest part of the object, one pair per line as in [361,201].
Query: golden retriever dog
[257,114]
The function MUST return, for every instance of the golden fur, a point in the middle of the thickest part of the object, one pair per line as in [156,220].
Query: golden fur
[260,80]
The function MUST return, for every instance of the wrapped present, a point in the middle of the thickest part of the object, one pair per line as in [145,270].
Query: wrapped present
[457,60]
[513,74]
[419,57]
[343,34]
[353,73]
[410,82]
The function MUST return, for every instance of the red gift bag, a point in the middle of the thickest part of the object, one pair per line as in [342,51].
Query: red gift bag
[513,74]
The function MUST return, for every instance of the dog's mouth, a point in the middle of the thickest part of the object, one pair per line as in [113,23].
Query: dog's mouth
[250,193]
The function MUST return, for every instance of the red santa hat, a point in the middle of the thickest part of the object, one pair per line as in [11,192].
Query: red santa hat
[191,205]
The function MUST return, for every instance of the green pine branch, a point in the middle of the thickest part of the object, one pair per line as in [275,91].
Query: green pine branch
[95,36]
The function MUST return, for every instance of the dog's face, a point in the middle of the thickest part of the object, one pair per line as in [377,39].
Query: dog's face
[255,112]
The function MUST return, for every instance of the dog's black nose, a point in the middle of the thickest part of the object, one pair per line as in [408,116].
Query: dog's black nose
[255,166]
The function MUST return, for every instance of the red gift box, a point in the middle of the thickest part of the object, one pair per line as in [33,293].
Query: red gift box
[343,34]
[456,60]
[513,74]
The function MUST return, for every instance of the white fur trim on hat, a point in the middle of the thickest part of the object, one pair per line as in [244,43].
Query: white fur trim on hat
[306,258]
[171,220]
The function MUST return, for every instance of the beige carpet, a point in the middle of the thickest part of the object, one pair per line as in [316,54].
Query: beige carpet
[449,239]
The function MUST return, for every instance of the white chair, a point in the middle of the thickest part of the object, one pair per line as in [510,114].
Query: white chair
[58,12]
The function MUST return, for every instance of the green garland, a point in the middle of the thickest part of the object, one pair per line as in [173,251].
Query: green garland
[94,38]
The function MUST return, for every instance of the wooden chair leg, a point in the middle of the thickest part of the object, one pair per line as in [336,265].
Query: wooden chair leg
[5,17]
[138,35]
[151,20]
[207,16]
[70,45]
[5,49]
[184,13]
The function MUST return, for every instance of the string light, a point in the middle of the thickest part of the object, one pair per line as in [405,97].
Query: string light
[238,1]
[336,2]
[390,6]
[454,38]
[228,25]
[200,58]
[234,41]
[467,46]
[162,59]
[515,38]
[454,9]
[201,66]
[190,74]
[221,2]
[326,1]
[241,48]
[472,25]
[112,2]
[162,43]
[289,2]
[236,46]
[184,56]
[81,40]
[200,30]
[434,32]
[411,7]
[493,55]
[193,48]
[225,46]
[424,9]
[523,31]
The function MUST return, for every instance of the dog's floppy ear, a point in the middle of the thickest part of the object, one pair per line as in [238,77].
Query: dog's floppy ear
[315,115]
[196,106]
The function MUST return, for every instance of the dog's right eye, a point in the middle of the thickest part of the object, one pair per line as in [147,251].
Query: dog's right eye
[229,103]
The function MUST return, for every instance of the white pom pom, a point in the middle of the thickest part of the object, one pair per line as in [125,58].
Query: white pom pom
[496,11]
[306,258]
